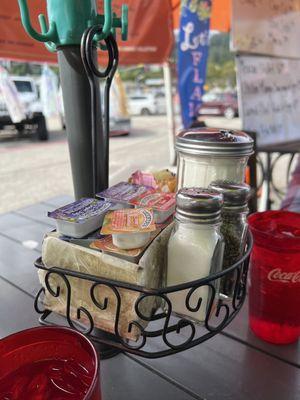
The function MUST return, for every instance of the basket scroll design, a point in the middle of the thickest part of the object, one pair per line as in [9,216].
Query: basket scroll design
[160,333]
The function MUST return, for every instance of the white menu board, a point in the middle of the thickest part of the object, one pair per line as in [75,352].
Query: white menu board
[269,27]
[269,95]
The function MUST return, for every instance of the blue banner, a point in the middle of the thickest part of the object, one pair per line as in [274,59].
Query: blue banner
[192,56]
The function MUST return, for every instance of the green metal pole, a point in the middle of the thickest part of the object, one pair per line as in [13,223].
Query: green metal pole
[68,19]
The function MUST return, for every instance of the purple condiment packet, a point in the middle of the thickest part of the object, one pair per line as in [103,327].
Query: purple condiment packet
[81,210]
[124,192]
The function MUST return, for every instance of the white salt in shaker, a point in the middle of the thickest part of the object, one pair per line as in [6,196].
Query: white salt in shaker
[195,248]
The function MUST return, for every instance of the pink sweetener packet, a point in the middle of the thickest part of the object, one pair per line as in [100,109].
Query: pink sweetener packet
[144,178]
[163,180]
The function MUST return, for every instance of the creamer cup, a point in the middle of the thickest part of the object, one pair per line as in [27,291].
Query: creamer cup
[130,228]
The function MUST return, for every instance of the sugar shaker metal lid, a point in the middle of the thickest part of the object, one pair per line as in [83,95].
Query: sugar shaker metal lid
[234,194]
[198,205]
[217,142]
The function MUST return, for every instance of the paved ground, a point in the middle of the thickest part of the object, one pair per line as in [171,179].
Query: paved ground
[32,171]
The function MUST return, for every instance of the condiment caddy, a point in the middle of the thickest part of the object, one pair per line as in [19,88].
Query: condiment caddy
[193,298]
[159,334]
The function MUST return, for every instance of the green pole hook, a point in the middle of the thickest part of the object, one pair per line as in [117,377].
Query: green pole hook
[111,22]
[124,21]
[68,19]
[49,35]
[107,27]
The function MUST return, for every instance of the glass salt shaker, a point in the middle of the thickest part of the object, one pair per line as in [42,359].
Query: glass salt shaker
[234,227]
[209,154]
[195,248]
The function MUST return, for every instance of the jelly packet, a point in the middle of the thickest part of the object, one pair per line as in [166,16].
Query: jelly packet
[81,210]
[130,228]
[106,246]
[163,204]
[78,219]
[128,221]
[123,192]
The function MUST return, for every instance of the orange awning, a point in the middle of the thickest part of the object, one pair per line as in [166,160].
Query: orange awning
[220,18]
[15,44]
[150,38]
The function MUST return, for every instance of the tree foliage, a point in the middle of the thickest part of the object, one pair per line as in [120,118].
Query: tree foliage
[140,73]
[221,64]
[220,67]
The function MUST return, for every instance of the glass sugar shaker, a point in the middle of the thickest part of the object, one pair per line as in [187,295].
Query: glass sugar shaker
[234,226]
[209,154]
[195,248]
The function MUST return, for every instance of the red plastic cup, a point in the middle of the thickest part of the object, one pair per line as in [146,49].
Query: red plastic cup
[49,363]
[274,300]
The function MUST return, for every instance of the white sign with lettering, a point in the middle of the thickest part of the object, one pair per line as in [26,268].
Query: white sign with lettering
[269,27]
[269,94]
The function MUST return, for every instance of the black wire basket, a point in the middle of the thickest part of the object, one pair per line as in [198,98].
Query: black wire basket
[161,333]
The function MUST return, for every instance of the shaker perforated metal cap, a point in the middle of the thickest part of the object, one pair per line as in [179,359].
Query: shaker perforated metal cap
[198,205]
[216,142]
[234,194]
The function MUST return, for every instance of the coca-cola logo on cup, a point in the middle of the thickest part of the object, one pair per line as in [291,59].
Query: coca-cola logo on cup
[277,275]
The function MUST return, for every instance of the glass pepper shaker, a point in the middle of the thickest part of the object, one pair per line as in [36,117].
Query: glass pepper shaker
[195,248]
[234,227]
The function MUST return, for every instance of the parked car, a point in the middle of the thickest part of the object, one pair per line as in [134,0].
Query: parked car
[147,104]
[224,104]
[28,94]
[160,101]
[120,121]
[119,126]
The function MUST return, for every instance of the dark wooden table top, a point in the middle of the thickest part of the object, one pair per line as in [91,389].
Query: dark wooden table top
[234,365]
[288,147]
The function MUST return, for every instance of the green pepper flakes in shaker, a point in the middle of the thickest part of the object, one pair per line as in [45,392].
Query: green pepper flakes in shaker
[234,227]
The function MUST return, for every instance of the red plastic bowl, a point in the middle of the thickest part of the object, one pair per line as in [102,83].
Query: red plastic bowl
[28,348]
